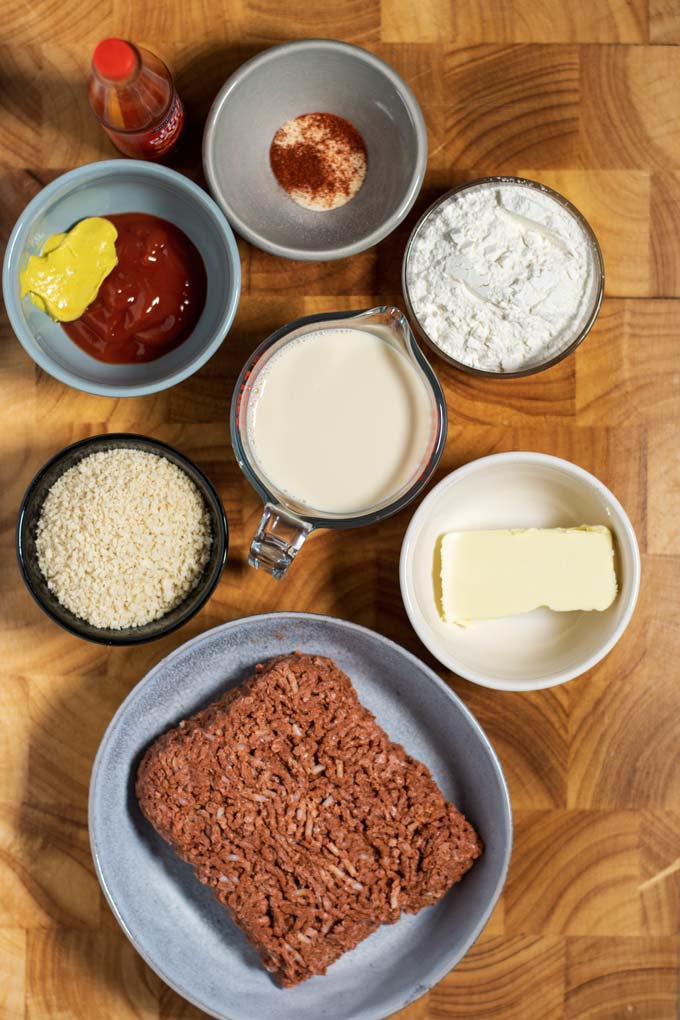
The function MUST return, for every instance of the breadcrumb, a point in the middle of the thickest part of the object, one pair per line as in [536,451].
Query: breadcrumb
[123,537]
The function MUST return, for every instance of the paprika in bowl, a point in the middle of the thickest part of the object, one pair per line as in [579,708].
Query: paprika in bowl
[320,159]
[304,93]
[113,188]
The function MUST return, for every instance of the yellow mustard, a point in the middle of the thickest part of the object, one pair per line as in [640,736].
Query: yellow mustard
[65,278]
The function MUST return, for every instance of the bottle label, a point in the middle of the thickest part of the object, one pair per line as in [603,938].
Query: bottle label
[155,142]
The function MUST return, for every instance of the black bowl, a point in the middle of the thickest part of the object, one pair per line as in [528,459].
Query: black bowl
[29,514]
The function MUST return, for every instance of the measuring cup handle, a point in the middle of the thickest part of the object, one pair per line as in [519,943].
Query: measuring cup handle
[278,539]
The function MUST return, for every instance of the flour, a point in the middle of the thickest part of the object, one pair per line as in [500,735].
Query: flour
[501,277]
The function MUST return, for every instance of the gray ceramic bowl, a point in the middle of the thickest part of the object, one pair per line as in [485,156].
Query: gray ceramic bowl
[29,515]
[175,922]
[117,186]
[314,76]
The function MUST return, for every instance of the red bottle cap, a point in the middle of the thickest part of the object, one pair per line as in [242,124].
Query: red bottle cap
[115,59]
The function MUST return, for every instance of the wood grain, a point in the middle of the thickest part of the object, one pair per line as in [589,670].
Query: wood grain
[502,976]
[518,21]
[619,977]
[664,21]
[630,109]
[582,96]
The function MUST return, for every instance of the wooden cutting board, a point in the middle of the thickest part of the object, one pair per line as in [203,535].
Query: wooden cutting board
[584,96]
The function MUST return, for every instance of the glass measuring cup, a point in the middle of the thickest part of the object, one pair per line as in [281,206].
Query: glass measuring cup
[286,523]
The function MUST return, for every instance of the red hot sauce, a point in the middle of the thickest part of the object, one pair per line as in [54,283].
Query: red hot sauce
[151,301]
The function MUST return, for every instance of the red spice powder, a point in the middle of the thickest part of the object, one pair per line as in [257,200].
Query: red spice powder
[320,159]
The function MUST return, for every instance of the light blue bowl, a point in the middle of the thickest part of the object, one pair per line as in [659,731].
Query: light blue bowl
[101,189]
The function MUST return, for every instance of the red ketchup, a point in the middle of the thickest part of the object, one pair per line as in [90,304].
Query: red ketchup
[151,301]
[133,97]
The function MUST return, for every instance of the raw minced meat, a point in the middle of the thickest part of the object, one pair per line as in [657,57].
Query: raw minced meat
[311,826]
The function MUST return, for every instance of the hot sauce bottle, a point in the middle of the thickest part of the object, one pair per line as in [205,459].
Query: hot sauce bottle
[133,96]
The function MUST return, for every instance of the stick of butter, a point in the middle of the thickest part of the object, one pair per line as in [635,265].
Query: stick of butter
[488,574]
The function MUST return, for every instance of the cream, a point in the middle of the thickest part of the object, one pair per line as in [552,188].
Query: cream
[339,421]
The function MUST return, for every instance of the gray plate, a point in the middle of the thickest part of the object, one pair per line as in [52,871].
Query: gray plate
[174,921]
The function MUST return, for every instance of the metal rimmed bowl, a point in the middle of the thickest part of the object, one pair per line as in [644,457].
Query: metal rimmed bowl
[29,515]
[587,321]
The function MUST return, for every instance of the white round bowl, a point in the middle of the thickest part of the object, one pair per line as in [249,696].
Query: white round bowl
[518,490]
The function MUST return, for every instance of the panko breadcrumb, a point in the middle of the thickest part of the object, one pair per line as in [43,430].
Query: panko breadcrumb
[123,537]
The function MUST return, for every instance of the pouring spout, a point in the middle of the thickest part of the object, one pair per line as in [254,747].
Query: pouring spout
[389,323]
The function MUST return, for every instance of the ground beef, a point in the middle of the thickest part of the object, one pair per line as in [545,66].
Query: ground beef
[308,823]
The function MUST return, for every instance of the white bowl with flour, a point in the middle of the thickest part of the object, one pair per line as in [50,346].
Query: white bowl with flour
[503,277]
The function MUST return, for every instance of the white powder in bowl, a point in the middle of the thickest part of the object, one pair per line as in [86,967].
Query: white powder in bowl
[123,537]
[502,277]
